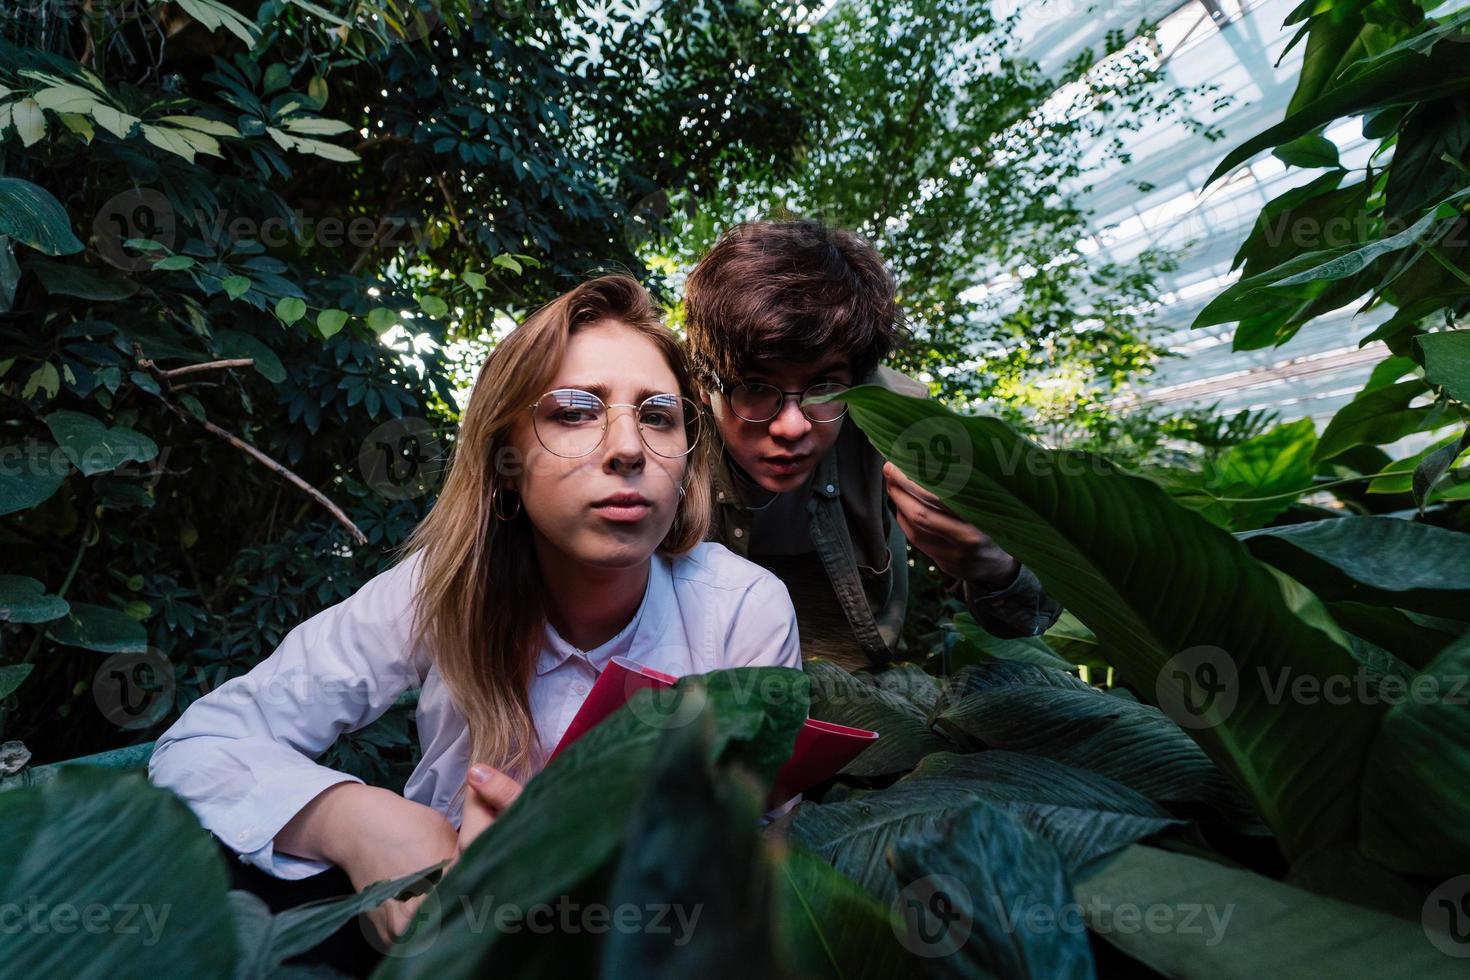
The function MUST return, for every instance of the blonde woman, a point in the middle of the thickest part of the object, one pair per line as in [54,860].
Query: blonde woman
[570,529]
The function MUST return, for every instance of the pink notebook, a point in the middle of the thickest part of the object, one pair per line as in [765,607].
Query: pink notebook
[822,748]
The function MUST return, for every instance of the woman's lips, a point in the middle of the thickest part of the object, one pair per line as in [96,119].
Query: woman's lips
[623,513]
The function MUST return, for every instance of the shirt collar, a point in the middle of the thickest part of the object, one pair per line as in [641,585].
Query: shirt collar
[555,650]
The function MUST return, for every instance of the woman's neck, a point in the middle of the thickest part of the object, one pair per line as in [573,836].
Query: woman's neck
[588,606]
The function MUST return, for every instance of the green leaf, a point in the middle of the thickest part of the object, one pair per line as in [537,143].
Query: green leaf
[236,286]
[1416,790]
[692,844]
[474,280]
[1045,712]
[1404,77]
[1167,594]
[266,941]
[982,869]
[12,677]
[25,600]
[1374,418]
[162,895]
[1446,359]
[44,378]
[433,306]
[1433,467]
[980,645]
[1380,560]
[506,262]
[100,628]
[859,701]
[40,474]
[1243,924]
[31,216]
[289,309]
[1257,478]
[235,343]
[593,787]
[329,322]
[1311,151]
[94,448]
[380,319]
[830,926]
[76,280]
[1084,815]
[174,263]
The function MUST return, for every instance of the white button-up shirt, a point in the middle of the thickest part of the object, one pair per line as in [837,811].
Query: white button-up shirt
[242,756]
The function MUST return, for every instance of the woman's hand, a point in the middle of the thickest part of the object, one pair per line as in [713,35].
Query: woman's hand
[373,834]
[488,792]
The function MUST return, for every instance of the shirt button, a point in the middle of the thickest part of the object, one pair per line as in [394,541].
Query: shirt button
[740,532]
[831,488]
[720,495]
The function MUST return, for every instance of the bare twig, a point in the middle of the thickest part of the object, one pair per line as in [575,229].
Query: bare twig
[252,452]
[207,366]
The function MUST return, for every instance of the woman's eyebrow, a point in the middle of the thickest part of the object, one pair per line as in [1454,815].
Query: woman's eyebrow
[601,390]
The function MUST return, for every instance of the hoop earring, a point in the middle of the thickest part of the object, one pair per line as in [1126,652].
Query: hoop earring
[495,504]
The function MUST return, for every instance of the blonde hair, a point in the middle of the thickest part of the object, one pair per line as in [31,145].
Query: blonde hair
[479,604]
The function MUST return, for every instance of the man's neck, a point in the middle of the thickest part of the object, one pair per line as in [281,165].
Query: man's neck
[588,606]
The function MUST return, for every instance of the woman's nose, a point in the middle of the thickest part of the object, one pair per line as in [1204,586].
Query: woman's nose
[624,446]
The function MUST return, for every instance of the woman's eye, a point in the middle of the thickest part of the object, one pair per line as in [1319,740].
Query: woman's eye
[659,418]
[574,416]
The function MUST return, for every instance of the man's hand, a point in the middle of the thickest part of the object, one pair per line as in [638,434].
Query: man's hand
[959,549]
[488,792]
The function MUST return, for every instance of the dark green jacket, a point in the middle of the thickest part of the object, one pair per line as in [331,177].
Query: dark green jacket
[863,548]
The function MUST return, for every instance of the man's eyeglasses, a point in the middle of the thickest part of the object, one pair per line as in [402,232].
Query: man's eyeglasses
[760,402]
[571,422]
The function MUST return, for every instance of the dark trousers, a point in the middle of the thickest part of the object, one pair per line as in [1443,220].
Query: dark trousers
[346,950]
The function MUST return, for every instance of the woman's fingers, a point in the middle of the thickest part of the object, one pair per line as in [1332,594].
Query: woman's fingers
[493,787]
[488,792]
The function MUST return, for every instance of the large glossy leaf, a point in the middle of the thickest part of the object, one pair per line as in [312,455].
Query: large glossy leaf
[1416,793]
[1184,916]
[32,216]
[93,447]
[1375,418]
[119,878]
[971,890]
[1402,78]
[266,941]
[567,825]
[25,486]
[1378,560]
[1447,361]
[829,926]
[24,600]
[1007,706]
[1186,615]
[904,735]
[691,846]
[1084,815]
[979,646]
[100,628]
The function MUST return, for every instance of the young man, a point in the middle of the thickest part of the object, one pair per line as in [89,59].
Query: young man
[779,311]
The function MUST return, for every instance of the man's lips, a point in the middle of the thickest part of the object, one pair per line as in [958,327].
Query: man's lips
[623,507]
[786,463]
